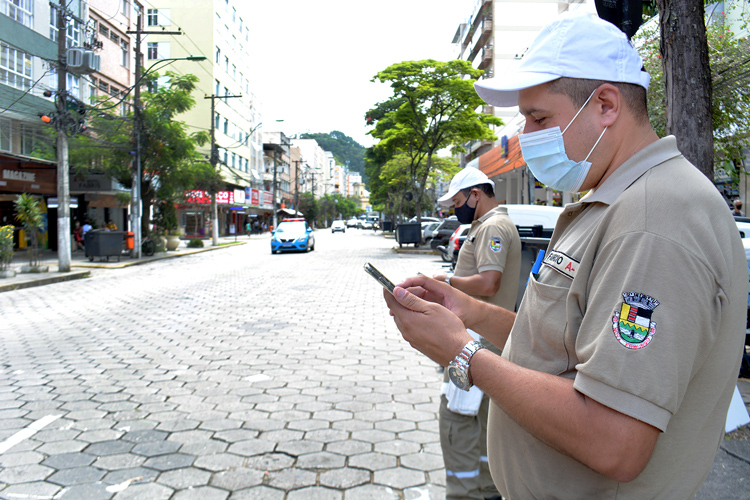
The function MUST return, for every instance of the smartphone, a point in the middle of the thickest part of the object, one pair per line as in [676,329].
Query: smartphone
[387,284]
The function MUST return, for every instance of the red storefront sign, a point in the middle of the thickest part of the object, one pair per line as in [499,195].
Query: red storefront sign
[222,197]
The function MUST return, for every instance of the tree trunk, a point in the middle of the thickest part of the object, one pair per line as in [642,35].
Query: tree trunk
[687,80]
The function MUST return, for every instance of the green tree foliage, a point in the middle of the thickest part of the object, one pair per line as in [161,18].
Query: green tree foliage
[170,162]
[344,149]
[337,206]
[433,107]
[729,57]
[309,206]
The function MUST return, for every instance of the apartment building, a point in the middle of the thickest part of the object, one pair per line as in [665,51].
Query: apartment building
[315,166]
[217,31]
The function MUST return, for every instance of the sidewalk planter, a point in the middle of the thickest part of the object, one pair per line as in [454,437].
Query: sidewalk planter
[7,273]
[34,269]
[6,251]
[409,232]
[173,241]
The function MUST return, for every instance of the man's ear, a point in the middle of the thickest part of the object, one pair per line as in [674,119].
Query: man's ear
[608,100]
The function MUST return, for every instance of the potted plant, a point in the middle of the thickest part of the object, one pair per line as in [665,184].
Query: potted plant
[29,213]
[6,251]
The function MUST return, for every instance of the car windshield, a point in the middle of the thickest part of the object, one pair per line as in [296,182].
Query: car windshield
[292,228]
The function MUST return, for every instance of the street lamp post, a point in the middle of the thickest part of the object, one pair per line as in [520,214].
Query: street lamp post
[138,123]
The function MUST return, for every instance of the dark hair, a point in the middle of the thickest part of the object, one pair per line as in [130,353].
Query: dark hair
[484,187]
[579,89]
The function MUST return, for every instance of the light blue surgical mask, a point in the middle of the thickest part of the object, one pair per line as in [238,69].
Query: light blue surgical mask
[544,153]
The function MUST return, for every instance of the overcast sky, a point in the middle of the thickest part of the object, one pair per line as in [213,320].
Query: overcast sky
[316,58]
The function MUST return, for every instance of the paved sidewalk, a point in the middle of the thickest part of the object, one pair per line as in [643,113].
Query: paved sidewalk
[81,265]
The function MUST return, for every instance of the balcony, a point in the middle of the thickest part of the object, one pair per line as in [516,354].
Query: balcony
[486,58]
[484,37]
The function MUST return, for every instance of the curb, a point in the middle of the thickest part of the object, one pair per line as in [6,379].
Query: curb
[39,280]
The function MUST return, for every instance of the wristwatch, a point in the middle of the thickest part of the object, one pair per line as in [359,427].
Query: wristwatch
[458,369]
[448,280]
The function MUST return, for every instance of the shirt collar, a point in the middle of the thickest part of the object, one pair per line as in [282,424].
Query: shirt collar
[633,168]
[495,211]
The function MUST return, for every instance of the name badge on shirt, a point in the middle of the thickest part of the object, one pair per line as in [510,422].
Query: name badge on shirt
[563,264]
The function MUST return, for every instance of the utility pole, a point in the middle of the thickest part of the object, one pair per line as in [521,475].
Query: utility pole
[136,208]
[214,159]
[63,181]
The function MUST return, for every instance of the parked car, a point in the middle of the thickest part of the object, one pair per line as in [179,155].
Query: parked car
[352,222]
[338,225]
[428,230]
[443,232]
[292,235]
[364,224]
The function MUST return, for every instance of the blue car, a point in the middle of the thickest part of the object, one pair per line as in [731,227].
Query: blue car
[292,235]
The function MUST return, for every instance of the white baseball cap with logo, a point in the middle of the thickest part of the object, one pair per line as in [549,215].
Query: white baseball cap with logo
[466,178]
[574,45]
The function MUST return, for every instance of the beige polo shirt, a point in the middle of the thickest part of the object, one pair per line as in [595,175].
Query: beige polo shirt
[493,244]
[641,301]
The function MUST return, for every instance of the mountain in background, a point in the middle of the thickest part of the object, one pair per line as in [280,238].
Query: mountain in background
[344,149]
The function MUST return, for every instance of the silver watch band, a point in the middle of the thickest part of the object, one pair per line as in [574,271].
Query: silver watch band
[448,280]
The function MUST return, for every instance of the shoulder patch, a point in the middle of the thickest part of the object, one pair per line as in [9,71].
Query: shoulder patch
[496,244]
[632,323]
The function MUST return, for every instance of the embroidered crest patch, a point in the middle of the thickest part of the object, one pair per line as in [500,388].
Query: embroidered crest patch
[632,323]
[496,244]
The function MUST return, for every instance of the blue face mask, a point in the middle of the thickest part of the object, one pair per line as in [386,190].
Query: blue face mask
[544,153]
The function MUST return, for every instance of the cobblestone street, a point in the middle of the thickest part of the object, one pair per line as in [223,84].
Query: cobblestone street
[233,374]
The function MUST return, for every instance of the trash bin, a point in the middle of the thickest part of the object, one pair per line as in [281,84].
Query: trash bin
[103,243]
[409,232]
[387,226]
[130,240]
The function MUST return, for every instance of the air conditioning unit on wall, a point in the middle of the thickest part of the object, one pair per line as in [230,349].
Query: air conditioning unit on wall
[82,61]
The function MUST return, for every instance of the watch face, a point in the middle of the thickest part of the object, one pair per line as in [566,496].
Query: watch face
[459,377]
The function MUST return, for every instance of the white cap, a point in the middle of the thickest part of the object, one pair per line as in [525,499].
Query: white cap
[466,178]
[574,45]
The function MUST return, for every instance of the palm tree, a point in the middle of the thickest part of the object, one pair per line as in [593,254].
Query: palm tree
[29,213]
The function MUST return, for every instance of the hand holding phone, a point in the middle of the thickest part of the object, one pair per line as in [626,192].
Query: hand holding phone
[385,282]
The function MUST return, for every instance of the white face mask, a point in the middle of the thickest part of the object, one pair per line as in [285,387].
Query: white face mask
[544,153]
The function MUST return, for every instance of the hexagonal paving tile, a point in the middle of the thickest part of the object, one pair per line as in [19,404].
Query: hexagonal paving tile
[309,424]
[345,478]
[77,475]
[290,479]
[37,489]
[270,462]
[130,476]
[296,448]
[109,448]
[320,461]
[69,460]
[25,474]
[327,435]
[422,461]
[219,462]
[204,447]
[374,436]
[316,492]
[235,435]
[89,491]
[259,493]
[145,436]
[20,458]
[372,461]
[169,462]
[156,448]
[237,479]
[252,447]
[399,477]
[185,478]
[152,491]
[397,447]
[373,492]
[201,493]
[348,447]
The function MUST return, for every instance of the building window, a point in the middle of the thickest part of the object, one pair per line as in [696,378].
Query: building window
[152,17]
[104,86]
[104,30]
[28,141]
[73,38]
[218,88]
[19,10]
[226,126]
[226,93]
[226,65]
[114,37]
[5,135]
[125,53]
[158,50]
[218,55]
[217,120]
[15,67]
[125,7]
[234,72]
[234,160]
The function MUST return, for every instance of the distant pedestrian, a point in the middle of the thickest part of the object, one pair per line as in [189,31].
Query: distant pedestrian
[78,236]
[737,212]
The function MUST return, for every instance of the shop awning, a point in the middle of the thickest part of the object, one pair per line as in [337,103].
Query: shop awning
[289,212]
[495,161]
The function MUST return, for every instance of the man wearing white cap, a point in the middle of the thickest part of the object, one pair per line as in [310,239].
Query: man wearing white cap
[618,369]
[488,269]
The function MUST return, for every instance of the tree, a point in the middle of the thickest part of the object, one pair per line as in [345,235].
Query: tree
[433,107]
[687,83]
[729,62]
[29,214]
[309,206]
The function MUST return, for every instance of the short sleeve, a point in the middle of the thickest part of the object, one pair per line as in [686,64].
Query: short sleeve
[492,244]
[652,310]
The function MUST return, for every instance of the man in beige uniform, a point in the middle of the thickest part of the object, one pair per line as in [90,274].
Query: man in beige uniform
[621,362]
[488,268]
